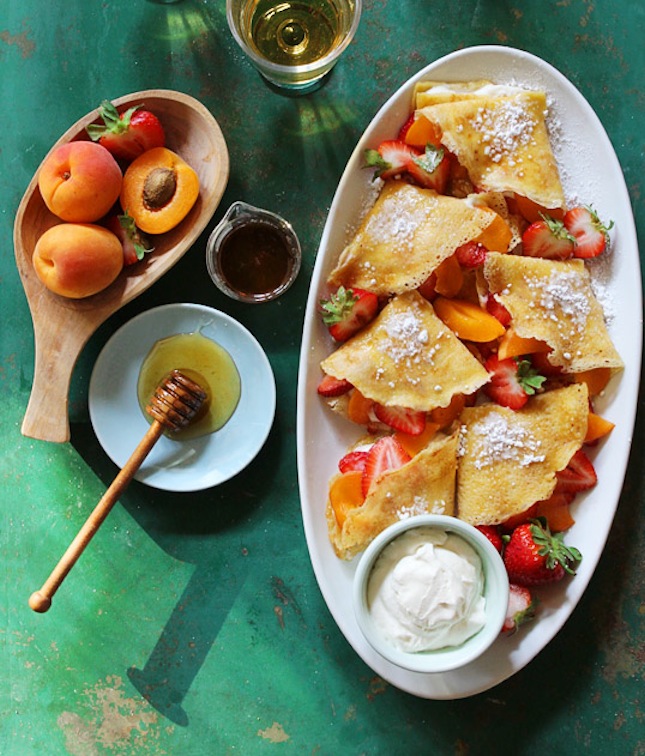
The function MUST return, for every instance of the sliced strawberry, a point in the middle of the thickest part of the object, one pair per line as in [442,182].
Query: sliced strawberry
[135,244]
[330,386]
[353,460]
[347,311]
[521,608]
[496,308]
[512,381]
[412,422]
[386,454]
[431,170]
[548,238]
[578,475]
[590,233]
[129,134]
[471,254]
[492,532]
[391,158]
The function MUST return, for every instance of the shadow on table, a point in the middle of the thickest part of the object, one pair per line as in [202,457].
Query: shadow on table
[184,526]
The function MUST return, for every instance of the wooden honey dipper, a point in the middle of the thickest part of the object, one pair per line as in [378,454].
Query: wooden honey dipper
[175,403]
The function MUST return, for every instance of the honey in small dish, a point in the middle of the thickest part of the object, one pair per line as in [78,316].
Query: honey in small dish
[203,361]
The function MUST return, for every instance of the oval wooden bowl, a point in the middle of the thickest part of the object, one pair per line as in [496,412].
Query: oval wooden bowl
[63,326]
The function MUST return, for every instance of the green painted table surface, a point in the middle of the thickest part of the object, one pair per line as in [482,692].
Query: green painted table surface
[207,602]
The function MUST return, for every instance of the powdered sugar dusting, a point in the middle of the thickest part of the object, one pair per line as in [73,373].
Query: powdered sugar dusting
[563,293]
[399,220]
[505,129]
[496,440]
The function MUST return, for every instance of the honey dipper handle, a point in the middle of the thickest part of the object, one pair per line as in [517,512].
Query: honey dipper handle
[41,600]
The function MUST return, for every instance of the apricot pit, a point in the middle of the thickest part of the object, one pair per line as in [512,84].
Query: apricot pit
[159,189]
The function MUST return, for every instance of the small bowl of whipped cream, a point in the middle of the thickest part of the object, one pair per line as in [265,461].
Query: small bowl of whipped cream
[431,593]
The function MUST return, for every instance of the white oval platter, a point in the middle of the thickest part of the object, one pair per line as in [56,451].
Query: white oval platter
[590,174]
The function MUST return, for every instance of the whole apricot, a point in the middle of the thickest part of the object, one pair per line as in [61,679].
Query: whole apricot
[80,181]
[77,260]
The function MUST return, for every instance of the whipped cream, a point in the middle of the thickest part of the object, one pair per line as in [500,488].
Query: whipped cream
[425,591]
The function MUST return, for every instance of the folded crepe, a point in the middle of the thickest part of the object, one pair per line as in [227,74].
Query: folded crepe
[499,134]
[408,232]
[424,485]
[554,301]
[509,459]
[407,357]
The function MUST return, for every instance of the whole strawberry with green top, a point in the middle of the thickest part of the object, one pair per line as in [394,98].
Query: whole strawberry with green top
[535,556]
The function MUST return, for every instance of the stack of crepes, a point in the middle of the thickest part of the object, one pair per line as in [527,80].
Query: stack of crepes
[489,462]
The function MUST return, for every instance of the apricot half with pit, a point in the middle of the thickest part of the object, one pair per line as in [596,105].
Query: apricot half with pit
[77,260]
[80,181]
[159,189]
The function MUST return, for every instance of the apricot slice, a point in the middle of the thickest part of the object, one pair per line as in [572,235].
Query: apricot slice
[444,416]
[597,427]
[159,190]
[555,511]
[448,277]
[512,345]
[497,235]
[423,132]
[358,408]
[596,379]
[414,444]
[532,212]
[345,493]
[467,320]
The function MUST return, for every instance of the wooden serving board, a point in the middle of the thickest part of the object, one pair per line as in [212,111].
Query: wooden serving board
[63,326]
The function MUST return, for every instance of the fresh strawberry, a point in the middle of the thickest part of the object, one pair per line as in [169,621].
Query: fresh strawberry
[590,233]
[492,532]
[391,158]
[330,386]
[512,381]
[431,170]
[129,134]
[548,238]
[135,244]
[578,475]
[471,254]
[386,454]
[412,422]
[496,308]
[353,460]
[533,556]
[347,311]
[521,608]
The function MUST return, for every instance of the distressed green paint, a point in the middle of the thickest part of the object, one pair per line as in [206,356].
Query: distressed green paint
[194,624]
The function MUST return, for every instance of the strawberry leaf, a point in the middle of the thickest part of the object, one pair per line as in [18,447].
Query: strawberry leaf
[530,380]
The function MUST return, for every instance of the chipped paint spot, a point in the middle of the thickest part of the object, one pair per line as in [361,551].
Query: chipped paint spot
[110,720]
[22,42]
[350,714]
[275,733]
[378,686]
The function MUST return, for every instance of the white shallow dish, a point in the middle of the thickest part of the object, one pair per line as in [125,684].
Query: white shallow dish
[591,174]
[193,464]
